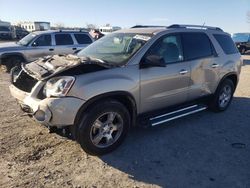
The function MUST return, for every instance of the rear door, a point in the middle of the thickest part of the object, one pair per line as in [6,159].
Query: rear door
[161,87]
[64,43]
[200,54]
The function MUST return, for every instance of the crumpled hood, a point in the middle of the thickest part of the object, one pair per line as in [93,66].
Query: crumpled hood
[49,66]
[10,46]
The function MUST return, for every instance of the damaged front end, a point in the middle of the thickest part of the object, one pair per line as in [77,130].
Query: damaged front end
[41,87]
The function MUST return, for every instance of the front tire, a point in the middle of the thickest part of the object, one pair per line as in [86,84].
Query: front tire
[103,127]
[223,96]
[11,62]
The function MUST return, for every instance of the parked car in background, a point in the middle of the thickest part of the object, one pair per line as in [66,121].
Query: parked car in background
[242,41]
[5,33]
[140,76]
[42,43]
[18,32]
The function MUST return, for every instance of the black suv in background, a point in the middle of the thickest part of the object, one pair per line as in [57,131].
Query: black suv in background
[242,41]
[5,33]
[18,32]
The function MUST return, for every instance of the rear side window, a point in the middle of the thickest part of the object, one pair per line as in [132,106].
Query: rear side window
[83,39]
[226,43]
[63,39]
[196,45]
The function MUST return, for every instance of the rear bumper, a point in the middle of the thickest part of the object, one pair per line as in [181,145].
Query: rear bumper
[57,112]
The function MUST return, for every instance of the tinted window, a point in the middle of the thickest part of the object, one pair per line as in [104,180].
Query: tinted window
[63,39]
[82,39]
[196,45]
[2,28]
[169,48]
[44,40]
[226,43]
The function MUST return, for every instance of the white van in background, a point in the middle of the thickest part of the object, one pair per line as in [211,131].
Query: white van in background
[108,29]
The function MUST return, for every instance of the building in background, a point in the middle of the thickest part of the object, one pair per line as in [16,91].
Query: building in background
[35,26]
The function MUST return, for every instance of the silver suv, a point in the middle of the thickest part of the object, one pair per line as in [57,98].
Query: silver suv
[140,76]
[42,43]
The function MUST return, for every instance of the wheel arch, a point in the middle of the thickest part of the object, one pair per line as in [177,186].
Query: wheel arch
[12,54]
[231,76]
[123,97]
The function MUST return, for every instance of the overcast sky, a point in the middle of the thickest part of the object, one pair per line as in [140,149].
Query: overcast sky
[230,15]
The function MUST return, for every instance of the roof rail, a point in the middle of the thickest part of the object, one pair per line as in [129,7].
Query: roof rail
[146,26]
[73,30]
[194,27]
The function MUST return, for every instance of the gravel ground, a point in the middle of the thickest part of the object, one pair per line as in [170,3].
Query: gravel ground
[202,150]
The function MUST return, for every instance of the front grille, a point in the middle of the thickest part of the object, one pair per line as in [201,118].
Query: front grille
[23,81]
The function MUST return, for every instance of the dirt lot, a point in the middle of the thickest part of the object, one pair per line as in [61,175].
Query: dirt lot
[203,150]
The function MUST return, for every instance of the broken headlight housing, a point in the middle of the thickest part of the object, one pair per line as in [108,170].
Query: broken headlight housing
[58,86]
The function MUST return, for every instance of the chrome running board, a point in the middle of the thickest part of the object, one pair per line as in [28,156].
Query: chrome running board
[176,114]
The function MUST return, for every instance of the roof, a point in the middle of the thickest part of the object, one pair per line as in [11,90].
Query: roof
[156,29]
[148,30]
[60,31]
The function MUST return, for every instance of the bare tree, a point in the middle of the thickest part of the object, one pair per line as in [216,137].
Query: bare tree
[91,26]
[248,17]
[59,25]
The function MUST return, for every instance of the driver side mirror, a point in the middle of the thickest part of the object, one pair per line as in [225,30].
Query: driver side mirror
[34,44]
[152,61]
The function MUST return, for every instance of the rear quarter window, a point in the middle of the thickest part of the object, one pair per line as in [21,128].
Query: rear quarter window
[196,45]
[83,39]
[226,43]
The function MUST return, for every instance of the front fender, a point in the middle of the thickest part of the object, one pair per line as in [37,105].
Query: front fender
[122,79]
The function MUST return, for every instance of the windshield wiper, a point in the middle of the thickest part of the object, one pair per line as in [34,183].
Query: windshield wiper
[98,60]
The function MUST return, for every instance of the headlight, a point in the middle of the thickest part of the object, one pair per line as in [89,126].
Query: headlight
[58,86]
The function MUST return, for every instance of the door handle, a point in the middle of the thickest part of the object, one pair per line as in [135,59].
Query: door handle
[74,48]
[182,72]
[215,65]
[51,49]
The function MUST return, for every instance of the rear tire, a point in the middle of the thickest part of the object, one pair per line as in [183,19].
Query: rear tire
[223,96]
[103,127]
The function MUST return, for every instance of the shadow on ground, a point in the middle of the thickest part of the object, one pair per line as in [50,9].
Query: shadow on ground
[246,62]
[203,150]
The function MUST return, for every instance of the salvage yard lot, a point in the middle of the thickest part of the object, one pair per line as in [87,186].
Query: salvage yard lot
[202,150]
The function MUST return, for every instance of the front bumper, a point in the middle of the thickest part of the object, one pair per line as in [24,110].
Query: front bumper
[57,112]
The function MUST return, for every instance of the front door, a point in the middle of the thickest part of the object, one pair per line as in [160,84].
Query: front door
[40,47]
[161,87]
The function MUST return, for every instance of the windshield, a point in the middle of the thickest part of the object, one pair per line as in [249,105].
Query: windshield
[240,37]
[115,48]
[26,40]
